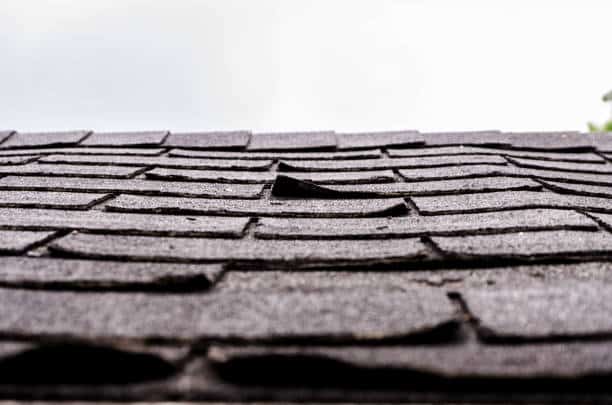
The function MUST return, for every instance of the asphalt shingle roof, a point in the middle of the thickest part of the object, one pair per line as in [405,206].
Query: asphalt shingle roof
[306,266]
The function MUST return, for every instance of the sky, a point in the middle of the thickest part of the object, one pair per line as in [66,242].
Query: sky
[275,65]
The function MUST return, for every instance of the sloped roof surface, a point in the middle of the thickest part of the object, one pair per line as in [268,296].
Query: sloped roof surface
[306,266]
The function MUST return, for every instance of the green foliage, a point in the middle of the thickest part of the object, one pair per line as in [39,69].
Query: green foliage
[607,127]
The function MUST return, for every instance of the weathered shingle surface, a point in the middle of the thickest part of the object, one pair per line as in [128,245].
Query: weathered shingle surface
[464,267]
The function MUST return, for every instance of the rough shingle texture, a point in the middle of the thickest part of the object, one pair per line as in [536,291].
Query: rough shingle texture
[393,266]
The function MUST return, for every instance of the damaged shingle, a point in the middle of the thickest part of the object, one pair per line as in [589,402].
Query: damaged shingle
[66,274]
[570,141]
[348,155]
[49,199]
[44,139]
[209,140]
[365,140]
[82,151]
[594,168]
[126,139]
[16,242]
[580,189]
[259,253]
[287,208]
[34,169]
[480,138]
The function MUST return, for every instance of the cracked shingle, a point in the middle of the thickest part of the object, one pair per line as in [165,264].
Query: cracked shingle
[262,254]
[132,186]
[507,200]
[34,169]
[49,199]
[44,139]
[528,244]
[162,161]
[304,208]
[395,163]
[132,224]
[316,228]
[209,140]
[359,315]
[48,273]
[360,154]
[140,139]
[16,242]
[382,176]
[555,310]
[367,140]
[594,168]
[322,140]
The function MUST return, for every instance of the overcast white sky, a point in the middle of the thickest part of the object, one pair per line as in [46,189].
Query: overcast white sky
[284,64]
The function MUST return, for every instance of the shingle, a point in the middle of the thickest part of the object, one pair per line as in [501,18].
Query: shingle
[365,140]
[49,199]
[291,208]
[551,141]
[502,361]
[566,309]
[605,218]
[127,224]
[594,168]
[528,244]
[15,160]
[49,273]
[602,140]
[181,163]
[132,186]
[483,138]
[142,138]
[396,163]
[360,315]
[581,189]
[4,135]
[263,254]
[381,176]
[457,172]
[475,150]
[35,169]
[507,200]
[82,151]
[19,241]
[44,139]
[566,177]
[317,228]
[360,154]
[322,140]
[455,186]
[209,140]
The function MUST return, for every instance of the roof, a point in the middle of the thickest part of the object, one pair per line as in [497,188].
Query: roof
[230,266]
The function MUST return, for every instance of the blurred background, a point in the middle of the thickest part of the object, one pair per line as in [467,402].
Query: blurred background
[316,64]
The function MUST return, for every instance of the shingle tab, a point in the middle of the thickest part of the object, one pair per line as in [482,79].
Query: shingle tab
[380,176]
[291,208]
[602,140]
[508,200]
[262,254]
[458,172]
[365,140]
[483,138]
[475,150]
[44,139]
[4,135]
[132,186]
[49,199]
[396,163]
[141,138]
[594,168]
[500,361]
[82,151]
[551,141]
[48,273]
[580,189]
[321,140]
[34,169]
[209,140]
[360,315]
[574,309]
[516,221]
[16,242]
[214,154]
[181,163]
[528,244]
[15,160]
[127,224]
